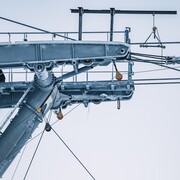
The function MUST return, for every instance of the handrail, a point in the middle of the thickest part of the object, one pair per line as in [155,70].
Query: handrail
[60,32]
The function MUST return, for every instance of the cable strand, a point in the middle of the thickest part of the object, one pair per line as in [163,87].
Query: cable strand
[36,28]
[34,155]
[73,153]
[18,163]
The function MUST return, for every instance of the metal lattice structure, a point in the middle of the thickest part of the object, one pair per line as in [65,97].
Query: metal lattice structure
[54,89]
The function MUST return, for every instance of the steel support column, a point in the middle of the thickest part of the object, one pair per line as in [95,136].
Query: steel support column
[112,12]
[80,23]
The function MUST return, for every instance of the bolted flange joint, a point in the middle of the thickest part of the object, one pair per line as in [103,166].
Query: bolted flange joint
[43,78]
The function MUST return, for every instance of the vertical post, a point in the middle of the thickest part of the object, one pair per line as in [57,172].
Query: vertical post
[9,37]
[126,35]
[130,70]
[87,76]
[80,23]
[130,64]
[11,74]
[26,75]
[112,12]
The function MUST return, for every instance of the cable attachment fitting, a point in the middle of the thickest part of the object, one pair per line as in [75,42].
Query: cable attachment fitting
[172,60]
[154,29]
[59,114]
[156,36]
[43,78]
[119,76]
[48,127]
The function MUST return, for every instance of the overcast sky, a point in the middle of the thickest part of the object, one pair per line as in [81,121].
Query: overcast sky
[138,142]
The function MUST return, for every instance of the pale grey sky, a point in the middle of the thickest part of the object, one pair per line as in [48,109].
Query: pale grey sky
[138,142]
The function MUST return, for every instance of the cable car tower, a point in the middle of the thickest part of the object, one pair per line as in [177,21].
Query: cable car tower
[52,87]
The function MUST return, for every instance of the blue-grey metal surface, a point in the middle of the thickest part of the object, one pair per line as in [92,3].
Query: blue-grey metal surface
[20,130]
[24,123]
[22,53]
[50,92]
[11,92]
[92,92]
[73,92]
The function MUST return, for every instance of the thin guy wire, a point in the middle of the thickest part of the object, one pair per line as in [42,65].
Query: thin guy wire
[73,154]
[39,29]
[153,70]
[149,55]
[51,125]
[151,62]
[79,104]
[137,84]
[156,83]
[34,155]
[18,163]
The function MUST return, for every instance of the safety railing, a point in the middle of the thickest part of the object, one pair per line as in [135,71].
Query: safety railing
[25,75]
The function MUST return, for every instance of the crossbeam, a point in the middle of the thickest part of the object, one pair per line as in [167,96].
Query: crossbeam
[112,12]
[108,11]
[22,53]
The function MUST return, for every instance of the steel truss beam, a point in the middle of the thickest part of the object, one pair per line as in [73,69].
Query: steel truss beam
[24,53]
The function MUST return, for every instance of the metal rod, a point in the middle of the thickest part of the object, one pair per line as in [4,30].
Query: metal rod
[80,23]
[156,83]
[125,12]
[73,73]
[112,23]
[60,32]
[165,42]
[126,35]
[158,79]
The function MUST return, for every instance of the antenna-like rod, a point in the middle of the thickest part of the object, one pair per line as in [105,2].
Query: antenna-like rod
[39,29]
